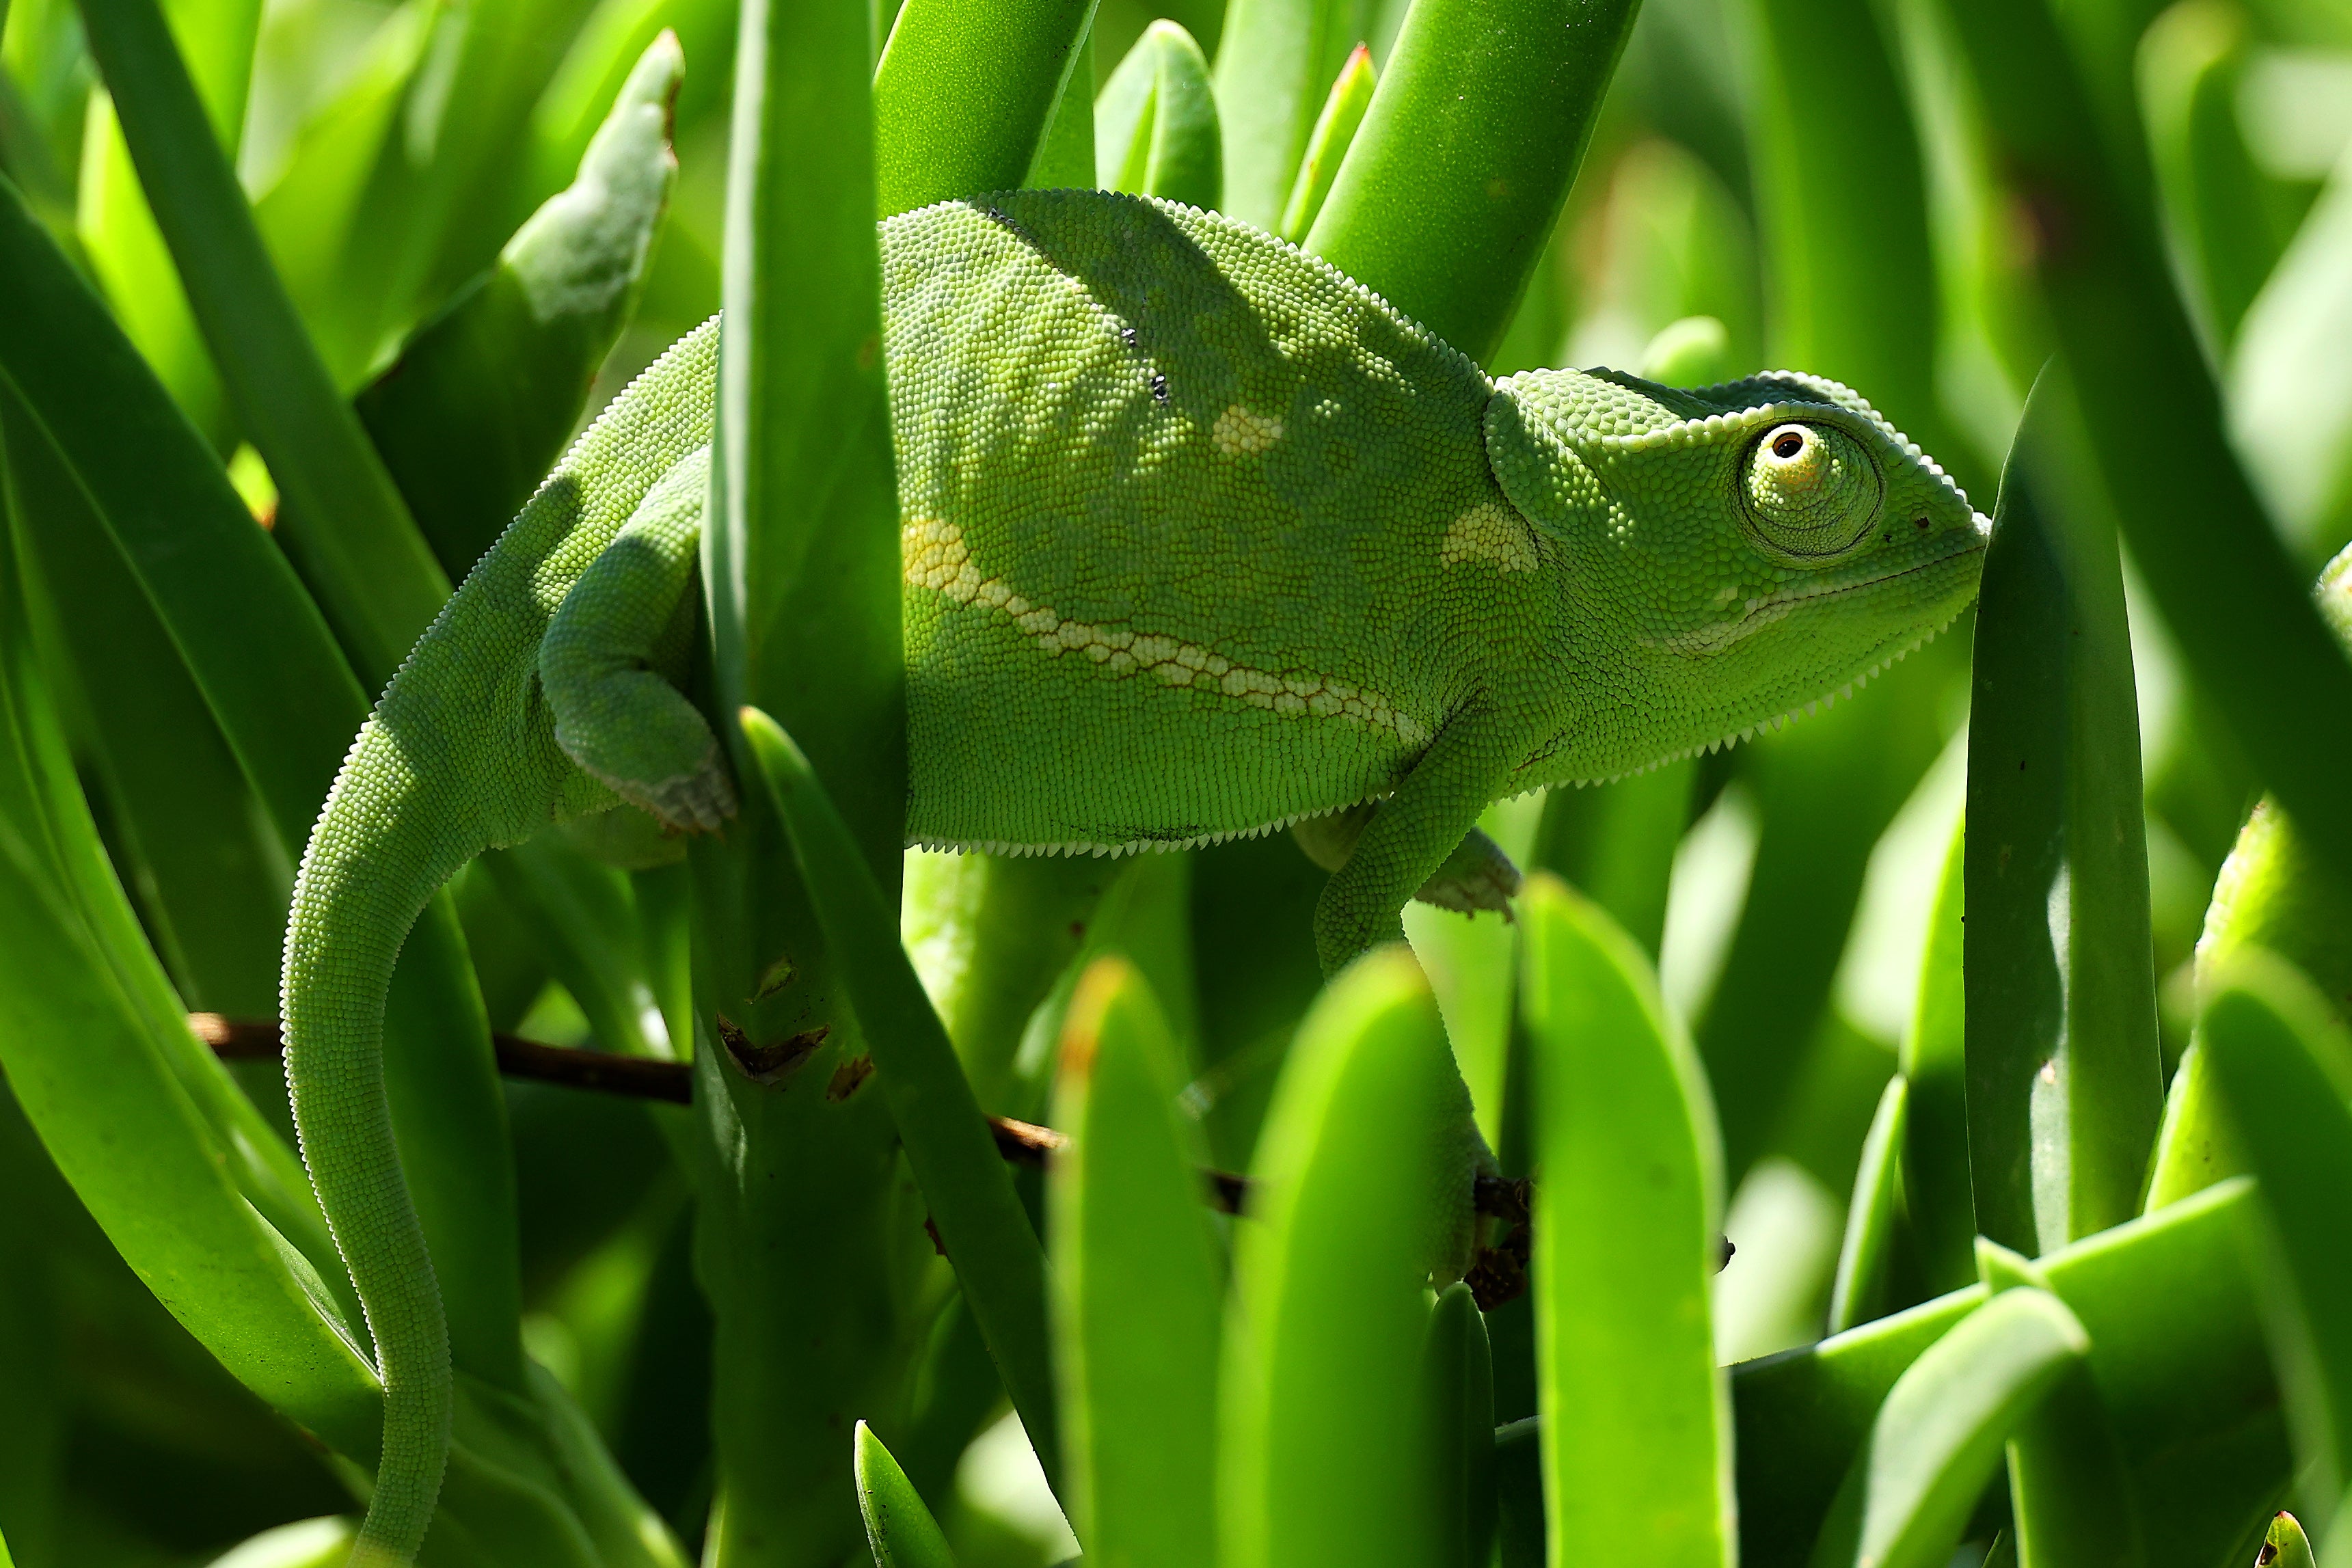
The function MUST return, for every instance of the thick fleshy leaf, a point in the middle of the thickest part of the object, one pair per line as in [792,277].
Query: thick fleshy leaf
[1318,1451]
[474,412]
[1275,59]
[1458,1414]
[981,1222]
[965,93]
[1155,121]
[1859,1292]
[1637,1441]
[1938,1437]
[799,1215]
[2065,1072]
[118,1093]
[1803,1415]
[1933,1064]
[285,702]
[2283,1062]
[2070,1497]
[1448,194]
[899,1530]
[1327,143]
[2228,589]
[1615,843]
[340,515]
[1138,1283]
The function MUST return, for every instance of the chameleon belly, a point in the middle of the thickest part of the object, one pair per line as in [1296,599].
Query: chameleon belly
[1183,510]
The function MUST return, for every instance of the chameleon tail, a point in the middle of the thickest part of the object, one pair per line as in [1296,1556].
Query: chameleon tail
[359,890]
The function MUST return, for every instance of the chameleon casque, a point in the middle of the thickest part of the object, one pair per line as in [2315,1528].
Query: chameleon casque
[1200,538]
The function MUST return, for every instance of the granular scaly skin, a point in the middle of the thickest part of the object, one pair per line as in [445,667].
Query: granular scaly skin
[1200,539]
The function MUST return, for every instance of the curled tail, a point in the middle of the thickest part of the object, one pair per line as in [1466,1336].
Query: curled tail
[363,883]
[459,756]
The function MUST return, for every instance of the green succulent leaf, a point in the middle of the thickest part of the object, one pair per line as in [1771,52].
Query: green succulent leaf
[1938,1435]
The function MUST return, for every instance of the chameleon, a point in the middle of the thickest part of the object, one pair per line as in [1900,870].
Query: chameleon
[1200,538]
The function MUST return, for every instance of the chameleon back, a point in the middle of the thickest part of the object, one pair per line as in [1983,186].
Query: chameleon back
[1181,506]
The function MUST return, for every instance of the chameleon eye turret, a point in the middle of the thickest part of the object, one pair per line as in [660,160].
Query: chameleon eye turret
[1811,490]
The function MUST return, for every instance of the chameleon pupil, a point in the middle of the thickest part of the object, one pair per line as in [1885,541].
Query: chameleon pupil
[1789,445]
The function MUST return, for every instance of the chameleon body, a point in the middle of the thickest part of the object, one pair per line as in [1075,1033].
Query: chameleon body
[1202,538]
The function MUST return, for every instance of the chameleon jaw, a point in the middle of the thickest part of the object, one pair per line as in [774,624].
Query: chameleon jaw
[1762,613]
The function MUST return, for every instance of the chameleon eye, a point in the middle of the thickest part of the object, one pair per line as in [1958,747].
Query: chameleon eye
[1811,490]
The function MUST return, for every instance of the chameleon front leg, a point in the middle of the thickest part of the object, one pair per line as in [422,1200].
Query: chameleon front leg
[1416,831]
[616,647]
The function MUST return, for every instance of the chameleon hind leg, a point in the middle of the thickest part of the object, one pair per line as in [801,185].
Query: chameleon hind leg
[1476,876]
[1423,826]
[609,659]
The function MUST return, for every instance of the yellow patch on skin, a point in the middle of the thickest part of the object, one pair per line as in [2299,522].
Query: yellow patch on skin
[1489,532]
[1239,432]
[934,557]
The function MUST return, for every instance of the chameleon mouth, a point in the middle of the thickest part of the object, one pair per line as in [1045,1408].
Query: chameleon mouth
[1725,743]
[1758,614]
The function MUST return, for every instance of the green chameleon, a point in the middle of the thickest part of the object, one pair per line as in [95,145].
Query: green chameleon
[1200,539]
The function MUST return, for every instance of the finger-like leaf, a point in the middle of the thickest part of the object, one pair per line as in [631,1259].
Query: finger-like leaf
[899,1529]
[2065,1068]
[1803,1415]
[1318,1452]
[965,93]
[280,689]
[2284,1545]
[287,704]
[1273,60]
[2070,1498]
[1859,1292]
[1636,1436]
[206,871]
[1327,143]
[1065,158]
[1449,193]
[2227,590]
[1933,1445]
[1155,121]
[991,935]
[2284,1064]
[1518,1494]
[86,1057]
[1458,1414]
[798,1213]
[980,1220]
[340,514]
[1933,1064]
[323,1542]
[1138,1284]
[473,413]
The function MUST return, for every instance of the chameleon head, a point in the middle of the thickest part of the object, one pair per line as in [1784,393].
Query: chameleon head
[1726,556]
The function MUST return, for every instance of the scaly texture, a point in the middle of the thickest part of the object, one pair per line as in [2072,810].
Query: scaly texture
[460,755]
[1201,539]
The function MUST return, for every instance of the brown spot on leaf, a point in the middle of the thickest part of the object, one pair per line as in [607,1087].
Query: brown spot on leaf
[847,1078]
[772,1063]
